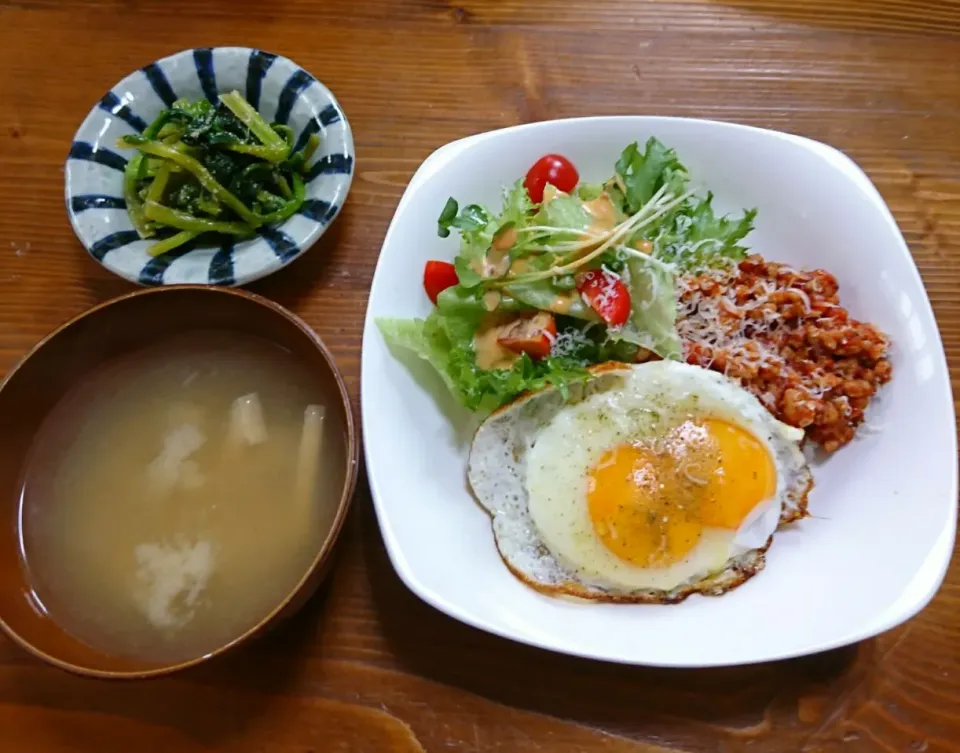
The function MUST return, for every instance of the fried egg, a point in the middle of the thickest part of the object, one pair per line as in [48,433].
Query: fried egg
[649,483]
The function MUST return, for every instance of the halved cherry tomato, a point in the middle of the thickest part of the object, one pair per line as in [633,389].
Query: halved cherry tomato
[606,294]
[554,169]
[437,277]
[532,336]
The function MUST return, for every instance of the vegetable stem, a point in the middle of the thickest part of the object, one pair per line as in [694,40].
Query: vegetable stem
[549,229]
[247,115]
[209,205]
[132,196]
[204,176]
[168,244]
[283,185]
[154,129]
[313,143]
[290,208]
[263,152]
[642,218]
[284,132]
[159,185]
[186,221]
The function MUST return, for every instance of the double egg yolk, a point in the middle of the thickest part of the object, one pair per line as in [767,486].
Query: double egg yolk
[649,503]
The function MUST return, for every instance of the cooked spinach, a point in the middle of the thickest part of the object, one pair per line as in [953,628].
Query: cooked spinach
[212,168]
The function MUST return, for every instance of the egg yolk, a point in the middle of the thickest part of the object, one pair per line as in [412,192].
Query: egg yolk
[741,475]
[649,504]
[635,510]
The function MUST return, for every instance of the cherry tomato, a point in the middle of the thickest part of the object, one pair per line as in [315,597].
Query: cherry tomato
[553,169]
[532,336]
[606,294]
[437,277]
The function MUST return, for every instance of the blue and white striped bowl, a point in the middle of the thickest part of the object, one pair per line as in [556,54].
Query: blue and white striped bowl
[282,92]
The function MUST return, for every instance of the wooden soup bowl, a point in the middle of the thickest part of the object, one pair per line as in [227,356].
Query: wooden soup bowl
[118,326]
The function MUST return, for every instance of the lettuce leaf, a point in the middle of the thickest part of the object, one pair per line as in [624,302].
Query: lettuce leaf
[589,191]
[564,212]
[694,238]
[479,226]
[445,340]
[653,318]
[541,295]
[644,173]
[517,207]
[425,338]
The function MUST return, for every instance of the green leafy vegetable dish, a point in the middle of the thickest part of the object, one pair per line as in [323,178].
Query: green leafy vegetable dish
[566,275]
[212,168]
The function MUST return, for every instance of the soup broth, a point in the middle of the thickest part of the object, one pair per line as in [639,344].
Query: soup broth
[174,497]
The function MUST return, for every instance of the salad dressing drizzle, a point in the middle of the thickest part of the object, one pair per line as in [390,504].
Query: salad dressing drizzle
[490,353]
[603,213]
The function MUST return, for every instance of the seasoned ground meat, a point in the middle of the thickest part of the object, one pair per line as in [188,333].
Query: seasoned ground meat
[785,336]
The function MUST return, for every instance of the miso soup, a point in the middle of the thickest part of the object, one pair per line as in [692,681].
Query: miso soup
[174,497]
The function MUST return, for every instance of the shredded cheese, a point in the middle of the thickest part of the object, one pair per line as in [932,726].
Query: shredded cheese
[567,343]
[718,323]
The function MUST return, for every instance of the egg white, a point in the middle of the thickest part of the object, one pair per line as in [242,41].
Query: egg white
[530,465]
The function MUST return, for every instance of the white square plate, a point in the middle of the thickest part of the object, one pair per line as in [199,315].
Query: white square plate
[884,507]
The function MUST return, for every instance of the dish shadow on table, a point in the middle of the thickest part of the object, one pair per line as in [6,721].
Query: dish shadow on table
[634,701]
[210,706]
[303,277]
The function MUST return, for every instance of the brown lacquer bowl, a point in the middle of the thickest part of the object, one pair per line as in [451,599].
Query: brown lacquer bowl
[33,387]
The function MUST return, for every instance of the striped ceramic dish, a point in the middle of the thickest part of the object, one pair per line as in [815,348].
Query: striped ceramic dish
[282,92]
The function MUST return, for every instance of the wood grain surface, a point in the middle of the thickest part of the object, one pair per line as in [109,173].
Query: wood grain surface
[367,666]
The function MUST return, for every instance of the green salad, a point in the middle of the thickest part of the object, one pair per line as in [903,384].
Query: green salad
[566,275]
[212,168]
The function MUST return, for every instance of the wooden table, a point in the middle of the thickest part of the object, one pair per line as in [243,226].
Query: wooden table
[366,666]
